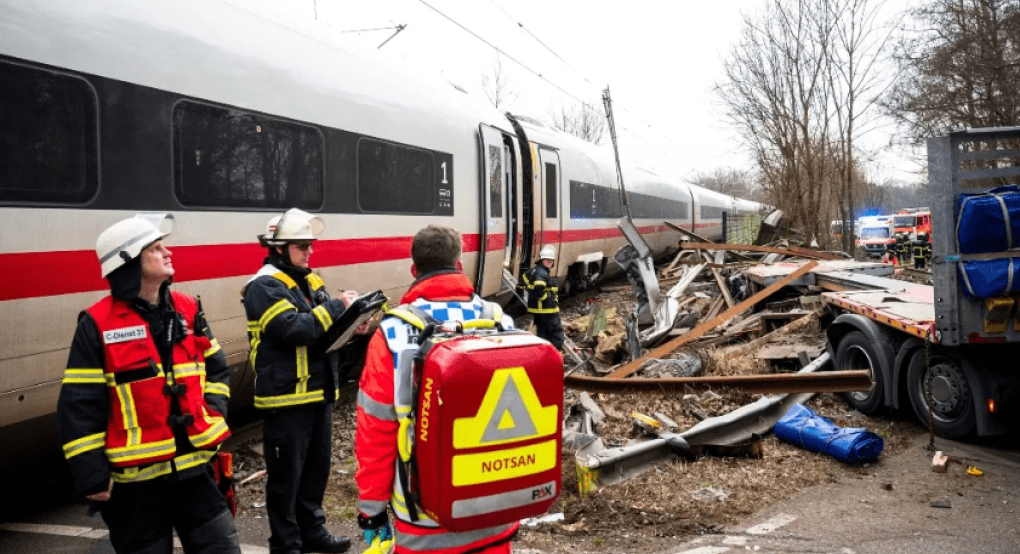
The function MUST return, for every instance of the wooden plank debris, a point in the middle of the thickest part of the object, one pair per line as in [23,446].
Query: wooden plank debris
[700,330]
[797,325]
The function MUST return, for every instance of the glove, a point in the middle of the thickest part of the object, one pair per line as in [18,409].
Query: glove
[376,529]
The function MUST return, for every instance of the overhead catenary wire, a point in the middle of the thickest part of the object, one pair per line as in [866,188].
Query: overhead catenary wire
[566,63]
[536,73]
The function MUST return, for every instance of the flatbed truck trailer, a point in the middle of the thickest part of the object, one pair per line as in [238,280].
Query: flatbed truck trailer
[955,361]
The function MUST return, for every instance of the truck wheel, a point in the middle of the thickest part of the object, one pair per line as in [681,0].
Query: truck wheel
[856,352]
[953,412]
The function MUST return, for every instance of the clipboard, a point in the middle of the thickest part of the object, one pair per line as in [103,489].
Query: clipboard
[360,310]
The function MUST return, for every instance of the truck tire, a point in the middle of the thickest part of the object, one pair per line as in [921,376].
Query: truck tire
[953,413]
[856,352]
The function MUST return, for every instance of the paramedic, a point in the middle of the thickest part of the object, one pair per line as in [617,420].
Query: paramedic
[288,309]
[143,403]
[441,290]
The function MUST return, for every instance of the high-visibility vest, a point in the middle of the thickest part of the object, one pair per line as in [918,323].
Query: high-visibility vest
[140,426]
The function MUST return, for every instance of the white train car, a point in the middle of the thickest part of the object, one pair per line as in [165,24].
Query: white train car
[224,119]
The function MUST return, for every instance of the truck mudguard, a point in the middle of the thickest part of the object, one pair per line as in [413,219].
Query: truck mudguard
[989,220]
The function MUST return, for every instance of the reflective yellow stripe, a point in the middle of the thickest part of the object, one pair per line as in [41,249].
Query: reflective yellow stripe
[84,444]
[479,324]
[538,283]
[213,349]
[211,435]
[323,316]
[544,310]
[182,371]
[185,461]
[407,317]
[400,507]
[254,339]
[217,388]
[128,414]
[302,370]
[314,281]
[289,399]
[275,310]
[84,376]
[286,280]
[142,451]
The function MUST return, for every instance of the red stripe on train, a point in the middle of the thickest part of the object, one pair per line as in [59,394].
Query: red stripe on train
[35,274]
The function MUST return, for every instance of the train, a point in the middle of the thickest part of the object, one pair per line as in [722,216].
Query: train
[224,119]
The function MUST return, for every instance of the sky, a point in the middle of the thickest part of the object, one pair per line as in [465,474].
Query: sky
[660,58]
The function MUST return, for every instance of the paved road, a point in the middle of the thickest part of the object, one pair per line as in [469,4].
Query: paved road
[859,516]
[856,515]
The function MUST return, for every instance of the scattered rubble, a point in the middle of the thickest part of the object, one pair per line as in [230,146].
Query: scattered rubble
[705,457]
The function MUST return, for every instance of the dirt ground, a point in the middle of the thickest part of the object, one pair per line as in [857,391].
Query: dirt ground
[654,511]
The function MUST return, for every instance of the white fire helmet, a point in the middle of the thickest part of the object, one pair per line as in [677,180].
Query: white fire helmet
[548,252]
[124,241]
[293,225]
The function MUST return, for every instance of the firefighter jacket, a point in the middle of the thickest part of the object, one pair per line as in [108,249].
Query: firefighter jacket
[144,393]
[384,395]
[541,290]
[288,310]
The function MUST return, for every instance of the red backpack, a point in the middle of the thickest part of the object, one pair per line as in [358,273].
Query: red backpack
[488,425]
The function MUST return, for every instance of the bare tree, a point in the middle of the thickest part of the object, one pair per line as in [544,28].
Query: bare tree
[496,88]
[855,84]
[774,92]
[959,63]
[581,120]
[801,85]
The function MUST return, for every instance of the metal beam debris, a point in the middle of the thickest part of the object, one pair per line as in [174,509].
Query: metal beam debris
[789,251]
[770,383]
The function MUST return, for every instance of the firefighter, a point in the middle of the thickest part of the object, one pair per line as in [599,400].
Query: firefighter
[445,293]
[288,309]
[143,403]
[920,244]
[542,301]
[903,248]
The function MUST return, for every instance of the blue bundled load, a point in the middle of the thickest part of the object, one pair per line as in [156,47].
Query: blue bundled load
[803,427]
[989,278]
[989,221]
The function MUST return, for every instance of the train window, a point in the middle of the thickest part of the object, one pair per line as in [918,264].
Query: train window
[48,136]
[230,158]
[712,212]
[550,190]
[593,201]
[393,178]
[495,181]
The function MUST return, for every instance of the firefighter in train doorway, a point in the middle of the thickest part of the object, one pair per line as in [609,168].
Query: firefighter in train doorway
[143,403]
[288,309]
[443,292]
[540,290]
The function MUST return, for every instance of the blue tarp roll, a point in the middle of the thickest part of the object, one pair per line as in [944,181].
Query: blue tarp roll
[989,220]
[988,278]
[803,427]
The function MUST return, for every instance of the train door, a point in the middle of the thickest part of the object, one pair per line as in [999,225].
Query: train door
[548,205]
[494,215]
[511,175]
